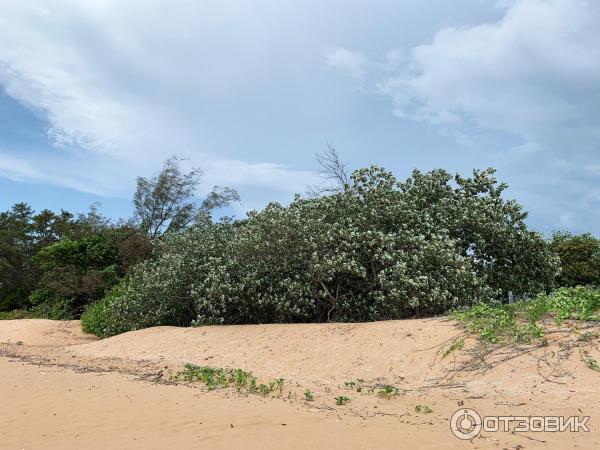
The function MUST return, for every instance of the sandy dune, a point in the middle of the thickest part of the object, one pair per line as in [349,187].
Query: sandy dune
[43,332]
[312,353]
[63,389]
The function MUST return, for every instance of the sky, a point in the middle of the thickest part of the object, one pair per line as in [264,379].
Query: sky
[96,93]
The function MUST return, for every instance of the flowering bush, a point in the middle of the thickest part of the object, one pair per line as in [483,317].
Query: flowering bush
[379,249]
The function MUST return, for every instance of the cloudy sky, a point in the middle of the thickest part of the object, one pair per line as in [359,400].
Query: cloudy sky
[96,92]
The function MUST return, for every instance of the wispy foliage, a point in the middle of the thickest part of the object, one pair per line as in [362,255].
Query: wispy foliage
[166,202]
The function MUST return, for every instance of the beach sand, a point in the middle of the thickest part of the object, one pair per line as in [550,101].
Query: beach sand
[63,389]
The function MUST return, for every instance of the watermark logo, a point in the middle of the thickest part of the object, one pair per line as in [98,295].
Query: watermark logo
[466,423]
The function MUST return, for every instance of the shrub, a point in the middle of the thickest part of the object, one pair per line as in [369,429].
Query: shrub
[76,273]
[156,293]
[59,308]
[579,259]
[379,249]
[99,318]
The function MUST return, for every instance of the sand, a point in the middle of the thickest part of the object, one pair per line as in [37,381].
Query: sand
[63,389]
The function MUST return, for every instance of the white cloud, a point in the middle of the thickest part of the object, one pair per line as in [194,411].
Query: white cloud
[19,169]
[533,71]
[244,88]
[269,175]
[533,75]
[126,84]
[351,62]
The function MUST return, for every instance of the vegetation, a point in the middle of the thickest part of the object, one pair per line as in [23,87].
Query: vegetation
[580,259]
[219,378]
[18,314]
[591,362]
[362,246]
[387,391]
[165,203]
[75,273]
[456,345]
[56,262]
[22,234]
[378,249]
[341,400]
[524,321]
[246,383]
[59,265]
[424,409]
[97,318]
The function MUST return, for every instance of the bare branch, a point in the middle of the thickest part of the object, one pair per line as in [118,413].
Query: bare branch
[333,172]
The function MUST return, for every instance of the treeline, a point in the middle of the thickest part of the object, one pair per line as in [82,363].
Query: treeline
[363,246]
[55,265]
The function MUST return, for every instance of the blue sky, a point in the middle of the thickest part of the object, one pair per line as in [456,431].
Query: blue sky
[95,93]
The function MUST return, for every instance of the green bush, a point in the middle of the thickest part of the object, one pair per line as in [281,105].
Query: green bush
[60,308]
[99,318]
[95,319]
[380,249]
[579,259]
[25,234]
[76,273]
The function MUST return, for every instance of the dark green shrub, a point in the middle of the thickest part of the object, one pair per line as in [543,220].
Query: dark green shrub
[23,233]
[579,259]
[76,273]
[59,308]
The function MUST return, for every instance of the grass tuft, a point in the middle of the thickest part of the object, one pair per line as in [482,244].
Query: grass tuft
[423,409]
[341,400]
[308,395]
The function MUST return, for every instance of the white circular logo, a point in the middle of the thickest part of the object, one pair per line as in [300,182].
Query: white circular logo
[465,423]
